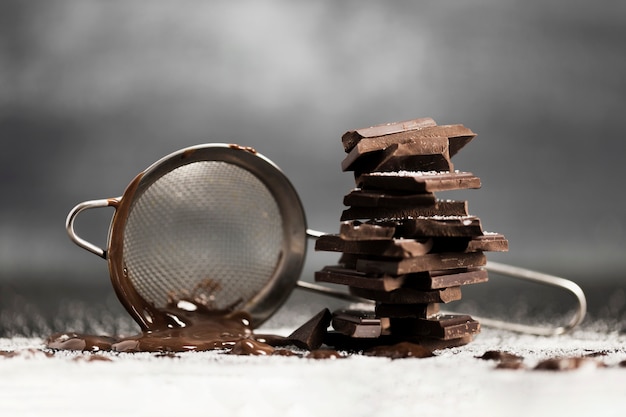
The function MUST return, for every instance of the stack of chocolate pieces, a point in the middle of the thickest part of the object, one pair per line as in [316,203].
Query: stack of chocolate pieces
[401,246]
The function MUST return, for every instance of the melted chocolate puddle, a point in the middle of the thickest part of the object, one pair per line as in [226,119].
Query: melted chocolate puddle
[192,327]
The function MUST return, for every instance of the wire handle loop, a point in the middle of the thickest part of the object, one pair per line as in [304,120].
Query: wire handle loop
[71,217]
[540,278]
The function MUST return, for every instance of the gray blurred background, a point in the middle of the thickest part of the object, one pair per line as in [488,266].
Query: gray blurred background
[93,92]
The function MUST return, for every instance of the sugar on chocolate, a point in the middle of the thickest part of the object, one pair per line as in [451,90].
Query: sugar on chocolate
[401,246]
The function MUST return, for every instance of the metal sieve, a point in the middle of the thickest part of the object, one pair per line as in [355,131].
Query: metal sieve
[220,222]
[223,225]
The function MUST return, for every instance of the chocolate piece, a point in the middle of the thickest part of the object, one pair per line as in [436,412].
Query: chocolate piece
[355,230]
[433,226]
[445,327]
[427,280]
[352,137]
[432,280]
[373,198]
[423,155]
[498,355]
[418,181]
[429,262]
[409,295]
[400,351]
[441,207]
[514,365]
[492,242]
[358,324]
[311,334]
[443,226]
[394,248]
[458,136]
[567,364]
[350,277]
[348,260]
[407,310]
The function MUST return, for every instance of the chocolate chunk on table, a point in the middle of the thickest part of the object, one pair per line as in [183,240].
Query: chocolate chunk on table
[374,198]
[352,137]
[409,295]
[311,334]
[445,327]
[429,262]
[441,208]
[394,248]
[418,181]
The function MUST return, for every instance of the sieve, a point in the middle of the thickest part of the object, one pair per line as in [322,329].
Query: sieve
[223,224]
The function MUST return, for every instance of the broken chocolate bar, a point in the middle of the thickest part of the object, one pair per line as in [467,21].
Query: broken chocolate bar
[441,207]
[425,154]
[409,295]
[352,137]
[355,230]
[427,280]
[311,334]
[442,226]
[433,226]
[394,248]
[352,278]
[432,280]
[373,198]
[445,327]
[429,262]
[358,324]
[457,137]
[489,242]
[418,181]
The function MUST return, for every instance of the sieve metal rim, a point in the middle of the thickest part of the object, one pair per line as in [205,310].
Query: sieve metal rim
[294,242]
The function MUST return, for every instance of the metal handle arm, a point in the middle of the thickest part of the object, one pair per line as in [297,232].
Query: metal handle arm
[71,217]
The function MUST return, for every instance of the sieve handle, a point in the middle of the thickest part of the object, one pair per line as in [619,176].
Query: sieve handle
[69,224]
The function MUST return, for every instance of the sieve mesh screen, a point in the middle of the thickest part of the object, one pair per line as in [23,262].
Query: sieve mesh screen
[209,229]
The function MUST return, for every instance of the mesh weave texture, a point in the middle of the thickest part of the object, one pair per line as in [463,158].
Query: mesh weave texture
[209,229]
